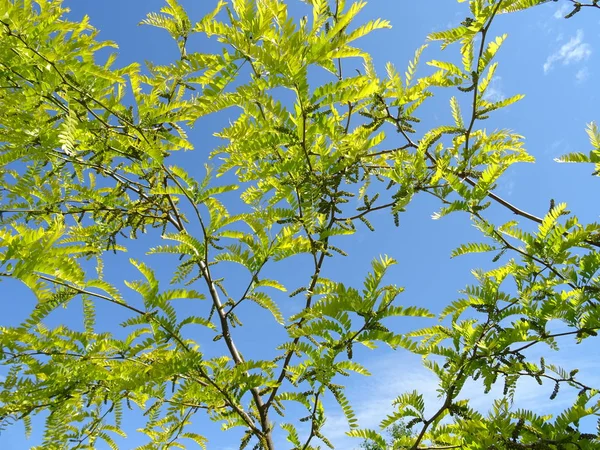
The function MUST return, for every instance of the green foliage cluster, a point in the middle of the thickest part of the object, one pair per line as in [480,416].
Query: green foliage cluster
[84,170]
[396,432]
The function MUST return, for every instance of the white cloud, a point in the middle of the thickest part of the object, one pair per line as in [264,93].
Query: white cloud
[494,91]
[557,148]
[507,184]
[372,397]
[573,51]
[397,373]
[562,11]
[582,75]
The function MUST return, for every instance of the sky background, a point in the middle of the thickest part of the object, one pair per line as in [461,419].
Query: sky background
[553,61]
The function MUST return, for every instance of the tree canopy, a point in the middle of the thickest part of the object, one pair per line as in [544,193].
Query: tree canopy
[96,161]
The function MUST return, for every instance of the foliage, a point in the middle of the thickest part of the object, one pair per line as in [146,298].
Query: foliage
[396,432]
[85,169]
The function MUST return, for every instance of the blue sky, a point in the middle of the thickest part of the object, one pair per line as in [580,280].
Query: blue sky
[555,62]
